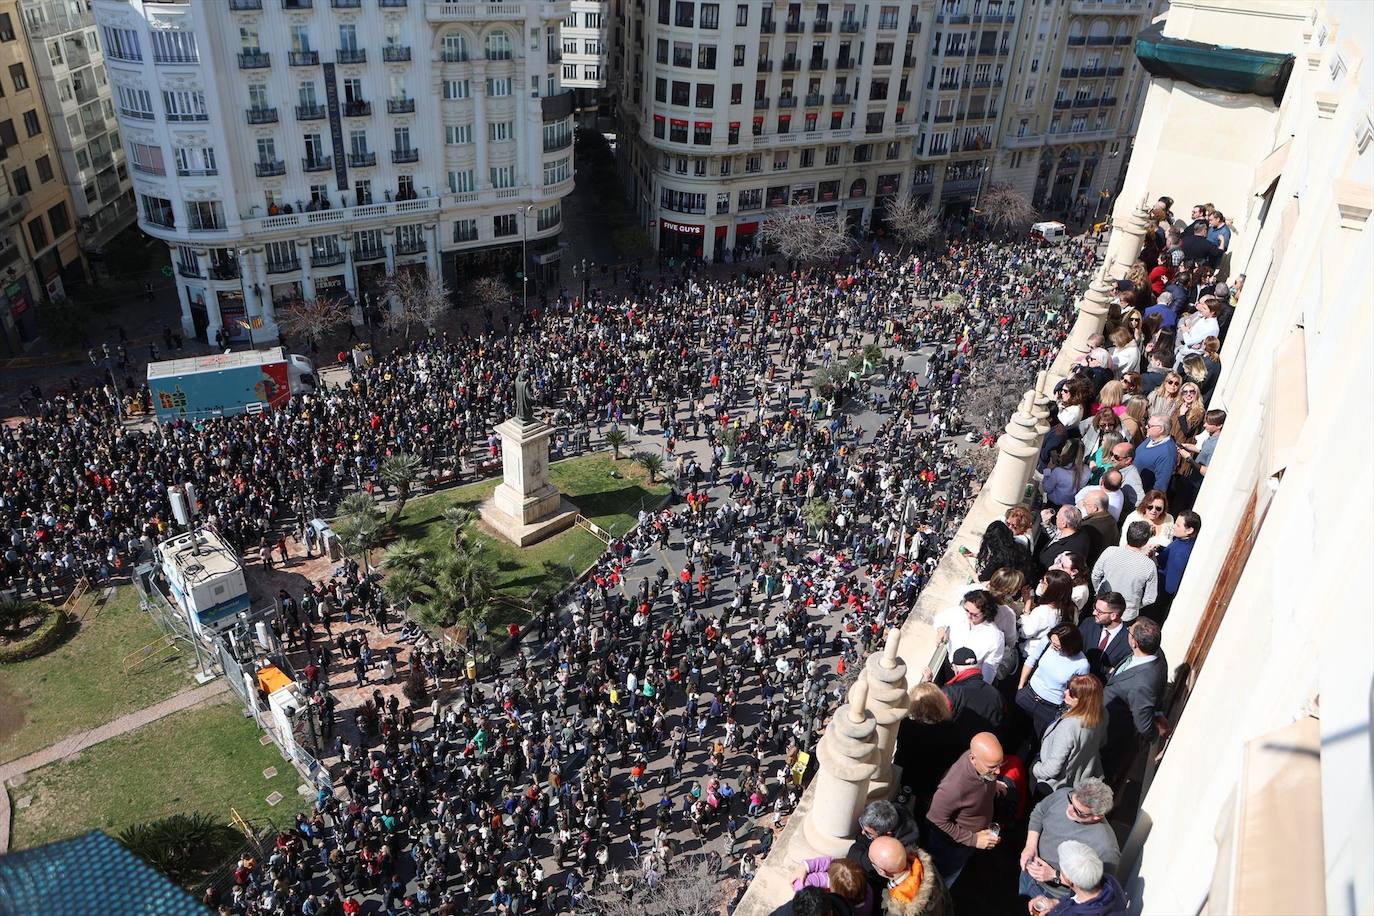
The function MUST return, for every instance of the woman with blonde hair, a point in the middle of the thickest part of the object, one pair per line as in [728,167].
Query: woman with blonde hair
[1071,747]
[1112,397]
[1133,422]
[1125,344]
[1009,589]
[1188,418]
[1164,401]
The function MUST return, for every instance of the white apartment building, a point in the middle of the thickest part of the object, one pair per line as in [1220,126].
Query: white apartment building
[583,53]
[286,149]
[730,110]
[70,70]
[970,52]
[1076,97]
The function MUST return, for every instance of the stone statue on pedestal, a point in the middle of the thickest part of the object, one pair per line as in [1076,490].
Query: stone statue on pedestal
[524,398]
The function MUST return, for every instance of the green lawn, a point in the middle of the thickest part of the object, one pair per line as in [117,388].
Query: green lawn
[612,502]
[206,759]
[81,683]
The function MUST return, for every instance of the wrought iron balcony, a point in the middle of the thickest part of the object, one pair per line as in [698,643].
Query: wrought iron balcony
[400,106]
[794,25]
[821,26]
[362,160]
[761,104]
[814,99]
[245,6]
[849,25]
[351,56]
[254,60]
[309,112]
[405,155]
[262,116]
[346,4]
[841,98]
[327,258]
[396,54]
[322,164]
[787,101]
[303,58]
[285,266]
[357,108]
[269,168]
[791,63]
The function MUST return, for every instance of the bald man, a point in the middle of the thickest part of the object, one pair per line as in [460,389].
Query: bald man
[910,876]
[961,812]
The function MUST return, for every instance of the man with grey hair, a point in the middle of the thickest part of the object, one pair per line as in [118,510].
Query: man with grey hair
[1129,570]
[883,818]
[1097,517]
[1077,814]
[1091,891]
[1068,534]
[1156,456]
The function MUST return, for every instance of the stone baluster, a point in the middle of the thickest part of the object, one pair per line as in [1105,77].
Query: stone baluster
[888,701]
[848,758]
[1017,451]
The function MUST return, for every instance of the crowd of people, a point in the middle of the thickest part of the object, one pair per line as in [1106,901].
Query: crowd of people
[674,703]
[1053,693]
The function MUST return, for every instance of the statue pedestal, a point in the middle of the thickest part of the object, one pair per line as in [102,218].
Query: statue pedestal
[526,508]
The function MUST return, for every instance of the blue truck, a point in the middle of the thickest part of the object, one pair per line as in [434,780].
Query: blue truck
[224,384]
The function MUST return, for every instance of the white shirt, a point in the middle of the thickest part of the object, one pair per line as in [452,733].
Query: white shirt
[1035,626]
[985,639]
[1115,500]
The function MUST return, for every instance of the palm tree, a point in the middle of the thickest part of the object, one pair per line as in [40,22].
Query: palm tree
[359,526]
[459,517]
[816,513]
[615,438]
[400,471]
[651,462]
[462,587]
[872,356]
[15,611]
[405,556]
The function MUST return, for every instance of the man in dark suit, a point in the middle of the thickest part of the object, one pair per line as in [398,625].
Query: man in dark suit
[1132,697]
[1106,640]
[1071,535]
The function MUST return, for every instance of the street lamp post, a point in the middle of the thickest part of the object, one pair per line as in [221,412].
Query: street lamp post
[525,259]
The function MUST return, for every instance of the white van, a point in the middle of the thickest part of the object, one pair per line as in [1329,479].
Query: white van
[1051,232]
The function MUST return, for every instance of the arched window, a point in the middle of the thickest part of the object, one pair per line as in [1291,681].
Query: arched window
[455,47]
[498,45]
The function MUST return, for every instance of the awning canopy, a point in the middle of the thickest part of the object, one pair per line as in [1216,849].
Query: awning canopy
[1210,66]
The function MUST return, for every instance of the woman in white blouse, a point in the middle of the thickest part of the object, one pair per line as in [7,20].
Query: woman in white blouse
[1154,509]
[1051,605]
[973,624]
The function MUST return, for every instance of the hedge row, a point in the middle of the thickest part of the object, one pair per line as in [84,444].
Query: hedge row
[42,639]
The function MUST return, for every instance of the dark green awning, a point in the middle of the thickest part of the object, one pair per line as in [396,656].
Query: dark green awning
[1211,66]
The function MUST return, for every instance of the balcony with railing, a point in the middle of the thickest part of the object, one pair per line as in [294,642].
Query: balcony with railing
[309,112]
[351,56]
[357,108]
[764,65]
[761,104]
[400,106]
[768,26]
[396,54]
[283,265]
[415,244]
[1068,73]
[1107,100]
[841,98]
[392,4]
[791,62]
[1124,39]
[846,63]
[364,160]
[303,58]
[821,26]
[401,156]
[328,258]
[262,116]
[297,4]
[818,63]
[815,99]
[849,26]
[269,168]
[1116,71]
[346,4]
[1085,103]
[254,60]
[317,164]
[1093,72]
[189,271]
[1075,41]
[1099,40]
[512,11]
[245,6]
[224,270]
[787,101]
[1061,104]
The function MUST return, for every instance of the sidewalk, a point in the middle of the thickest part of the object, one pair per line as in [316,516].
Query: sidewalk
[73,744]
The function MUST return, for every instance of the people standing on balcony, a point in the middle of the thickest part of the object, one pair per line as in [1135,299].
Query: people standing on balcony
[961,813]
[1157,455]
[1129,570]
[1132,696]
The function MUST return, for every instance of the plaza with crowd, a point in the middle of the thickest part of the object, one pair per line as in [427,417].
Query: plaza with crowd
[670,707]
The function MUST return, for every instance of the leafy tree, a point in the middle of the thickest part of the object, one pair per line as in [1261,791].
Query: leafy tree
[400,471]
[652,463]
[615,438]
[416,688]
[462,587]
[686,886]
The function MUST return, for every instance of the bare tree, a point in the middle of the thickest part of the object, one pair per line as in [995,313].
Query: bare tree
[417,299]
[801,235]
[313,318]
[914,225]
[489,292]
[685,887]
[1004,209]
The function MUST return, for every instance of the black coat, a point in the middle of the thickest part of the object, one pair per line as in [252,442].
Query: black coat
[908,831]
[975,704]
[1103,662]
[1082,542]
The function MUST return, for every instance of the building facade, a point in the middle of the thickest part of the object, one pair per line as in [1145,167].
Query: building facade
[76,90]
[727,111]
[39,253]
[286,149]
[583,55]
[1074,101]
[971,46]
